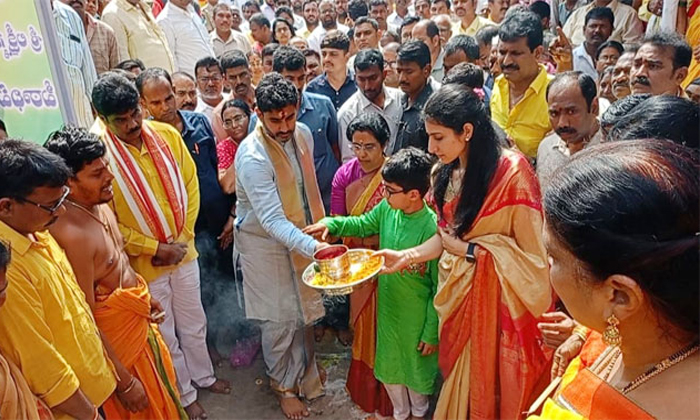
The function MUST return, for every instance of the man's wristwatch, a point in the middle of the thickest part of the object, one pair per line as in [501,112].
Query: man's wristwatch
[471,248]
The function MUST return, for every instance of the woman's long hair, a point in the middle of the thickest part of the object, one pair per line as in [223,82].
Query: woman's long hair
[453,106]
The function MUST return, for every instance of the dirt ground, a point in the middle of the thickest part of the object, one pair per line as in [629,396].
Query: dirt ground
[252,399]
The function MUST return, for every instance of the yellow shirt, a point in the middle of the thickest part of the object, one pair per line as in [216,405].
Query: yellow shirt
[138,34]
[46,326]
[141,246]
[478,23]
[528,122]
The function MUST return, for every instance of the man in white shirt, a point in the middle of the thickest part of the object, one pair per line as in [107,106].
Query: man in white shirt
[597,29]
[223,38]
[187,37]
[400,13]
[268,9]
[328,18]
[210,85]
[628,27]
[372,96]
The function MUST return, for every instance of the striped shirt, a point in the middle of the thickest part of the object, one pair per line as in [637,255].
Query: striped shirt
[103,45]
[77,59]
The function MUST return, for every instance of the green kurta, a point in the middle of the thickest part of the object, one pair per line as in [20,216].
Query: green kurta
[405,312]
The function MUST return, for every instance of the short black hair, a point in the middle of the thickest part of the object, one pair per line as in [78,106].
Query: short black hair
[114,94]
[609,44]
[76,145]
[369,58]
[288,58]
[541,9]
[309,52]
[252,3]
[522,23]
[260,20]
[600,13]
[275,92]
[410,169]
[206,63]
[128,65]
[222,5]
[370,122]
[26,166]
[151,73]
[485,35]
[447,3]
[236,103]
[467,74]
[410,20]
[414,52]
[465,43]
[585,83]
[366,19]
[233,58]
[4,255]
[269,49]
[3,127]
[431,29]
[336,40]
[375,3]
[682,51]
[284,9]
[357,9]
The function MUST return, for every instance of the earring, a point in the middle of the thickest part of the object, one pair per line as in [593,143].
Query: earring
[611,335]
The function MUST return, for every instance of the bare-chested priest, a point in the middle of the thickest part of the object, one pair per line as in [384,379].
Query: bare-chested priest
[118,297]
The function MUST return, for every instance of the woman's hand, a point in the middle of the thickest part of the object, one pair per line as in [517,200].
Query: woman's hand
[226,236]
[156,311]
[453,244]
[565,353]
[426,349]
[394,261]
[556,328]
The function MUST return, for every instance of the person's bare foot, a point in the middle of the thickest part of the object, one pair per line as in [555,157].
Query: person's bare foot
[293,408]
[220,387]
[322,374]
[345,337]
[195,411]
[319,332]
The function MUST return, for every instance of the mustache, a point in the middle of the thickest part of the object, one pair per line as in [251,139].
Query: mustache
[135,130]
[565,130]
[510,67]
[641,80]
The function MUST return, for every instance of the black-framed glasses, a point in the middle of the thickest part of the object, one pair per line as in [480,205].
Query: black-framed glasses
[389,192]
[55,207]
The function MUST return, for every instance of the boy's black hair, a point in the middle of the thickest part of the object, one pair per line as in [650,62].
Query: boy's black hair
[410,169]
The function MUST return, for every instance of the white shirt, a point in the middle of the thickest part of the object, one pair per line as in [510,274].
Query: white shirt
[628,29]
[235,41]
[317,35]
[358,104]
[267,11]
[584,62]
[206,109]
[187,36]
[395,20]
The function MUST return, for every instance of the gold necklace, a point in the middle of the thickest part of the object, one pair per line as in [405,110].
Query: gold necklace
[672,360]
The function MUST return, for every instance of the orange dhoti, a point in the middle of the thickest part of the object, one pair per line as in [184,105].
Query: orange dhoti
[123,317]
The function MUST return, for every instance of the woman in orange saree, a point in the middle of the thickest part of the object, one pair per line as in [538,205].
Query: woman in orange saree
[623,257]
[357,188]
[493,282]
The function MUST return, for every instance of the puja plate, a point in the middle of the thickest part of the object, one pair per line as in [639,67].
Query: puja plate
[362,268]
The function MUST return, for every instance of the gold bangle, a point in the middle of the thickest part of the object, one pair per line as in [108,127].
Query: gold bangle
[581,332]
[129,387]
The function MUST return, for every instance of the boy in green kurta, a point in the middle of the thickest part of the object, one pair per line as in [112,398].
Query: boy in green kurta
[407,324]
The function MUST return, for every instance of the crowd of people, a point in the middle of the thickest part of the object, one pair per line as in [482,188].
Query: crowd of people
[528,170]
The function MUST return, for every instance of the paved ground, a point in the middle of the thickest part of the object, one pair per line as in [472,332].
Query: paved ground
[252,399]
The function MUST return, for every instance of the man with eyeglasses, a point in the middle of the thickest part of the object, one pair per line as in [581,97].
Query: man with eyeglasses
[157,203]
[46,327]
[210,85]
